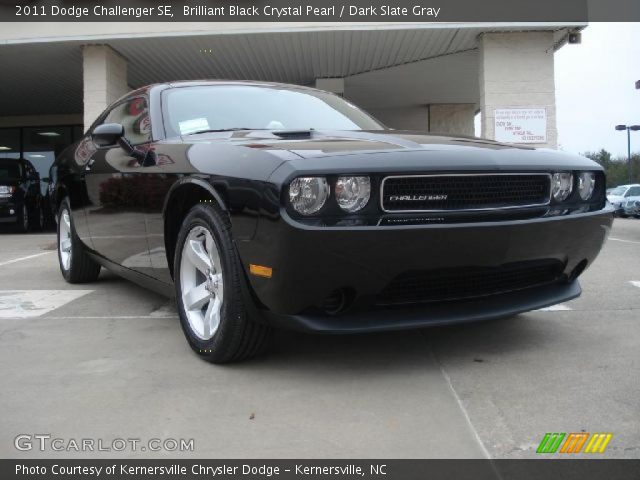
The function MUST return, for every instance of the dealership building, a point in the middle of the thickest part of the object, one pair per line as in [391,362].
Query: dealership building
[57,77]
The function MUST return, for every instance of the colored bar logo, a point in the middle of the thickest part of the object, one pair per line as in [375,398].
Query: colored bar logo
[574,442]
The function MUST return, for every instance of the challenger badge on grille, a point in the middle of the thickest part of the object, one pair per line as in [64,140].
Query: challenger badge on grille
[417,198]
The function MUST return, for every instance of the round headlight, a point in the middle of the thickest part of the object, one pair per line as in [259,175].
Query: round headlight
[308,194]
[561,186]
[586,184]
[352,193]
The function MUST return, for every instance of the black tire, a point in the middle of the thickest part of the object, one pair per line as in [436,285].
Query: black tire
[82,268]
[238,336]
[24,222]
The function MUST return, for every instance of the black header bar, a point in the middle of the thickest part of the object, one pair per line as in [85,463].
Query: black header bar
[565,469]
[567,11]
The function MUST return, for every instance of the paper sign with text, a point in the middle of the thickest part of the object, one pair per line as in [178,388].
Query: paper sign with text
[521,125]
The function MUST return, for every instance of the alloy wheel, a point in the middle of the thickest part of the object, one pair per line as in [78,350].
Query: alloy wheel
[64,240]
[201,282]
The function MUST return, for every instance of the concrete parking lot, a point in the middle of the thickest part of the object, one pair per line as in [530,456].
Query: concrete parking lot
[108,360]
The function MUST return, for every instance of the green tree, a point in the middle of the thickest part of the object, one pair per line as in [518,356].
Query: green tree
[616,169]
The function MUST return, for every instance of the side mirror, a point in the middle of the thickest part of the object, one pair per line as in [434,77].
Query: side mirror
[107,134]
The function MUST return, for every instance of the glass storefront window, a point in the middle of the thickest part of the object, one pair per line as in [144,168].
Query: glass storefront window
[41,146]
[38,145]
[9,143]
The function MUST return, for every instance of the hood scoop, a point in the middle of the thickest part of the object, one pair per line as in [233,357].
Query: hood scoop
[293,134]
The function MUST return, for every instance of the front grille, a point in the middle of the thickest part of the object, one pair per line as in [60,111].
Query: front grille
[434,193]
[419,286]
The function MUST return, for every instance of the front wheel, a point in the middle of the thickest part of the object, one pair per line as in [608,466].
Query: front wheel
[75,264]
[208,276]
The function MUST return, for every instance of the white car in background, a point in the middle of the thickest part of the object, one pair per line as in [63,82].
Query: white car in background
[618,196]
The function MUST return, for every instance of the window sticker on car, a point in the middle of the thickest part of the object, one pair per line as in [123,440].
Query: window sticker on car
[194,125]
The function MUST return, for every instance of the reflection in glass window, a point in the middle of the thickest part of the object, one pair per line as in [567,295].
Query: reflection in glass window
[133,115]
[42,145]
[9,143]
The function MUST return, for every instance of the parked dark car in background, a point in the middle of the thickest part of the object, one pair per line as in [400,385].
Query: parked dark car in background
[20,198]
[263,205]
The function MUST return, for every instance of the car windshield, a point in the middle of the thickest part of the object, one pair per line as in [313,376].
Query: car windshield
[9,169]
[227,107]
[619,191]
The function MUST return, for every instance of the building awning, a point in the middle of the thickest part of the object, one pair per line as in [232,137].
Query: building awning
[386,64]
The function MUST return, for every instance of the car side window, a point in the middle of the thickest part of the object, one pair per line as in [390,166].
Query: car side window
[133,115]
[633,192]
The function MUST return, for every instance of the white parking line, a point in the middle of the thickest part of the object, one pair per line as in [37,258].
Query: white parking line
[25,258]
[635,283]
[555,308]
[622,240]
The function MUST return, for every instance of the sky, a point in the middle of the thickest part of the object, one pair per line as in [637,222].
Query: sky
[595,89]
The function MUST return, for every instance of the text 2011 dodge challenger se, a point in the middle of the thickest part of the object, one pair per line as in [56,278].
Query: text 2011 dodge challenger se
[263,205]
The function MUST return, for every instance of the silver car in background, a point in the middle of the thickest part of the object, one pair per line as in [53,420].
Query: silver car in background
[619,196]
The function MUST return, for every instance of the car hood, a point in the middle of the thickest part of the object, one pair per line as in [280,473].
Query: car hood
[328,143]
[386,150]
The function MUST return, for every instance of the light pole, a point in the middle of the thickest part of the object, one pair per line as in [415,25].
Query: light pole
[628,128]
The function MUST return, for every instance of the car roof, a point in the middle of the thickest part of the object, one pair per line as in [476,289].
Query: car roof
[208,82]
[215,82]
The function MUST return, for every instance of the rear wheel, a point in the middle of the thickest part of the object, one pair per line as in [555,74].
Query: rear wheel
[75,264]
[208,276]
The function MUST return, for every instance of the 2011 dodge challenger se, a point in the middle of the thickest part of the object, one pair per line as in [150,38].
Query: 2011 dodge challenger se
[262,205]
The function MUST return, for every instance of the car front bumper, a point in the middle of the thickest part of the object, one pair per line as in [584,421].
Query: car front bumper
[309,263]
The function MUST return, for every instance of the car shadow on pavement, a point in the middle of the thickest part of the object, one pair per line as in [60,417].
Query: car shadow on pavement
[402,350]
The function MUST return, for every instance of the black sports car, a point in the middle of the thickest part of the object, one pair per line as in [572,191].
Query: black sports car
[263,205]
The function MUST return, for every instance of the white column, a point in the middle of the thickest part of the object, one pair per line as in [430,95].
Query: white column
[452,118]
[104,78]
[516,71]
